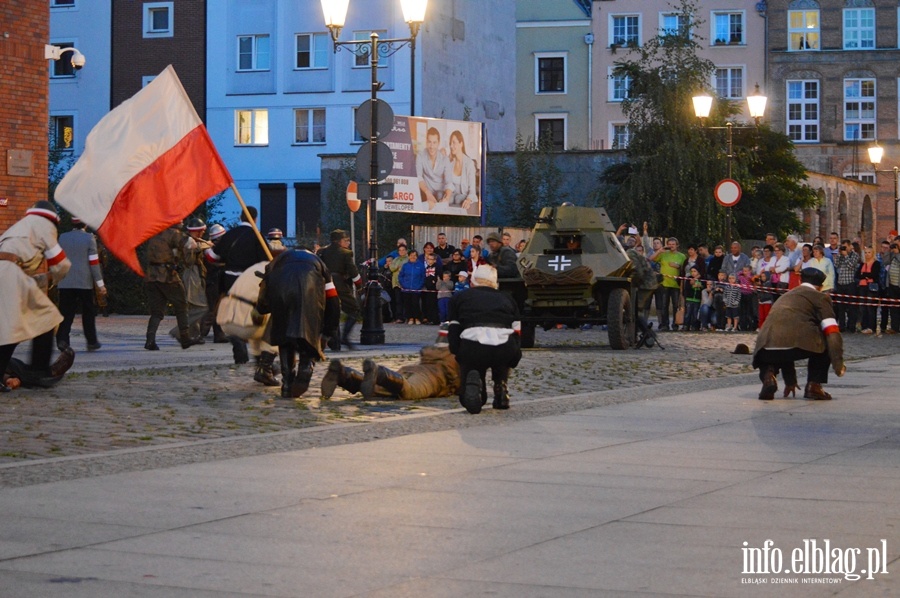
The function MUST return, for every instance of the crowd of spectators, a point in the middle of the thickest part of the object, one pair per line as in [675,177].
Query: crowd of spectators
[733,290]
[421,285]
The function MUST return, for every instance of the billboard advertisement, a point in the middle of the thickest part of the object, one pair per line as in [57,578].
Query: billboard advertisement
[438,166]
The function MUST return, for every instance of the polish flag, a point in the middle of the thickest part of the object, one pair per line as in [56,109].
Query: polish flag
[146,166]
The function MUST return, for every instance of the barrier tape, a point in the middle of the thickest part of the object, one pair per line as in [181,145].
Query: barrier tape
[867,301]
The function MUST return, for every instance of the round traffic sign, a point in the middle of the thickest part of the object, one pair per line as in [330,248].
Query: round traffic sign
[353,201]
[728,192]
[383,113]
[384,161]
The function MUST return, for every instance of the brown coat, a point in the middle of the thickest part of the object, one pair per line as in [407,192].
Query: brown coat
[796,322]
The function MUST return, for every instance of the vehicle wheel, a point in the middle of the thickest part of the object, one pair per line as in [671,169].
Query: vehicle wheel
[620,320]
[526,336]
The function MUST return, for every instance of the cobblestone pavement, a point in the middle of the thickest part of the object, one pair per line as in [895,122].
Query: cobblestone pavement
[124,397]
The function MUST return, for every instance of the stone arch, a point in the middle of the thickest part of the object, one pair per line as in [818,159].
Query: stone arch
[843,216]
[867,222]
[822,211]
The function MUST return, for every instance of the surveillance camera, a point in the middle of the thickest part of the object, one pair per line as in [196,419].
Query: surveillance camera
[78,60]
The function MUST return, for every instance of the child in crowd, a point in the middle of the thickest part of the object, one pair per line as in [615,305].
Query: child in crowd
[765,296]
[429,294]
[745,279]
[732,304]
[707,311]
[444,292]
[719,298]
[693,291]
[462,283]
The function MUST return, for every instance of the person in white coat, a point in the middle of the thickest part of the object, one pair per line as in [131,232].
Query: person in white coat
[27,312]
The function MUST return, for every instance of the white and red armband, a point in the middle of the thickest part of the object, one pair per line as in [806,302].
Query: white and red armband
[330,291]
[358,281]
[830,326]
[55,255]
[517,327]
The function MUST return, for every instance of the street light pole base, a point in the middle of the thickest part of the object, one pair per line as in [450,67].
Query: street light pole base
[372,332]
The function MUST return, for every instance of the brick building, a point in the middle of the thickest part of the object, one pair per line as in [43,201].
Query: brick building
[833,73]
[23,108]
[148,36]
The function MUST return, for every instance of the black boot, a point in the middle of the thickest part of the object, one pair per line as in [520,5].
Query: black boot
[345,334]
[377,375]
[239,350]
[340,375]
[470,392]
[152,327]
[186,340]
[264,373]
[501,395]
[304,374]
[287,357]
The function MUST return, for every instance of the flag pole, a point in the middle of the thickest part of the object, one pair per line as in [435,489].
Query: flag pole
[252,222]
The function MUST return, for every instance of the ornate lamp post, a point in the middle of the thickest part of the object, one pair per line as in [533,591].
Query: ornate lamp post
[756,104]
[335,13]
[876,152]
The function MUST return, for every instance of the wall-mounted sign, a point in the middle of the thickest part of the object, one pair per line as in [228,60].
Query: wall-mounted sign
[19,163]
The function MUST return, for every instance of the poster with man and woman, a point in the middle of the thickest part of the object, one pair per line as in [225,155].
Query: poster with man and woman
[438,166]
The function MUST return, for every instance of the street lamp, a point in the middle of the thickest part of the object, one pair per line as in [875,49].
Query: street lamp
[335,13]
[756,105]
[876,152]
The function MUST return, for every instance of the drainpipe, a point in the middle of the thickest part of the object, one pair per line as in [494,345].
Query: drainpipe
[589,40]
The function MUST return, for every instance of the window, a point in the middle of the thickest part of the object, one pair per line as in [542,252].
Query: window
[624,30]
[63,67]
[551,73]
[251,127]
[253,53]
[859,109]
[803,111]
[357,136]
[730,82]
[803,30]
[146,79]
[61,3]
[62,132]
[620,136]
[859,28]
[159,19]
[551,130]
[363,60]
[309,125]
[619,87]
[728,28]
[312,51]
[673,24]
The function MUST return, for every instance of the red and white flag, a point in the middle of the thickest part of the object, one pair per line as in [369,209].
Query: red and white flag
[146,166]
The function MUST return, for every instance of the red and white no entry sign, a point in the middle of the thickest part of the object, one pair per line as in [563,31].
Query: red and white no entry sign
[728,192]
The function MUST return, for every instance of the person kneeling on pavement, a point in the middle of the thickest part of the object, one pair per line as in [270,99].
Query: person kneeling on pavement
[484,334]
[298,292]
[31,259]
[436,375]
[801,325]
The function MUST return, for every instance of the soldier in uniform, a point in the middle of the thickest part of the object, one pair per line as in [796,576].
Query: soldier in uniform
[237,250]
[193,276]
[213,284]
[483,334]
[436,375]
[163,285]
[502,256]
[298,291]
[28,312]
[801,325]
[78,285]
[275,241]
[339,259]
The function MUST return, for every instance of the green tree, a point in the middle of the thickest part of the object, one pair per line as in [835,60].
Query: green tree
[532,181]
[673,164]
